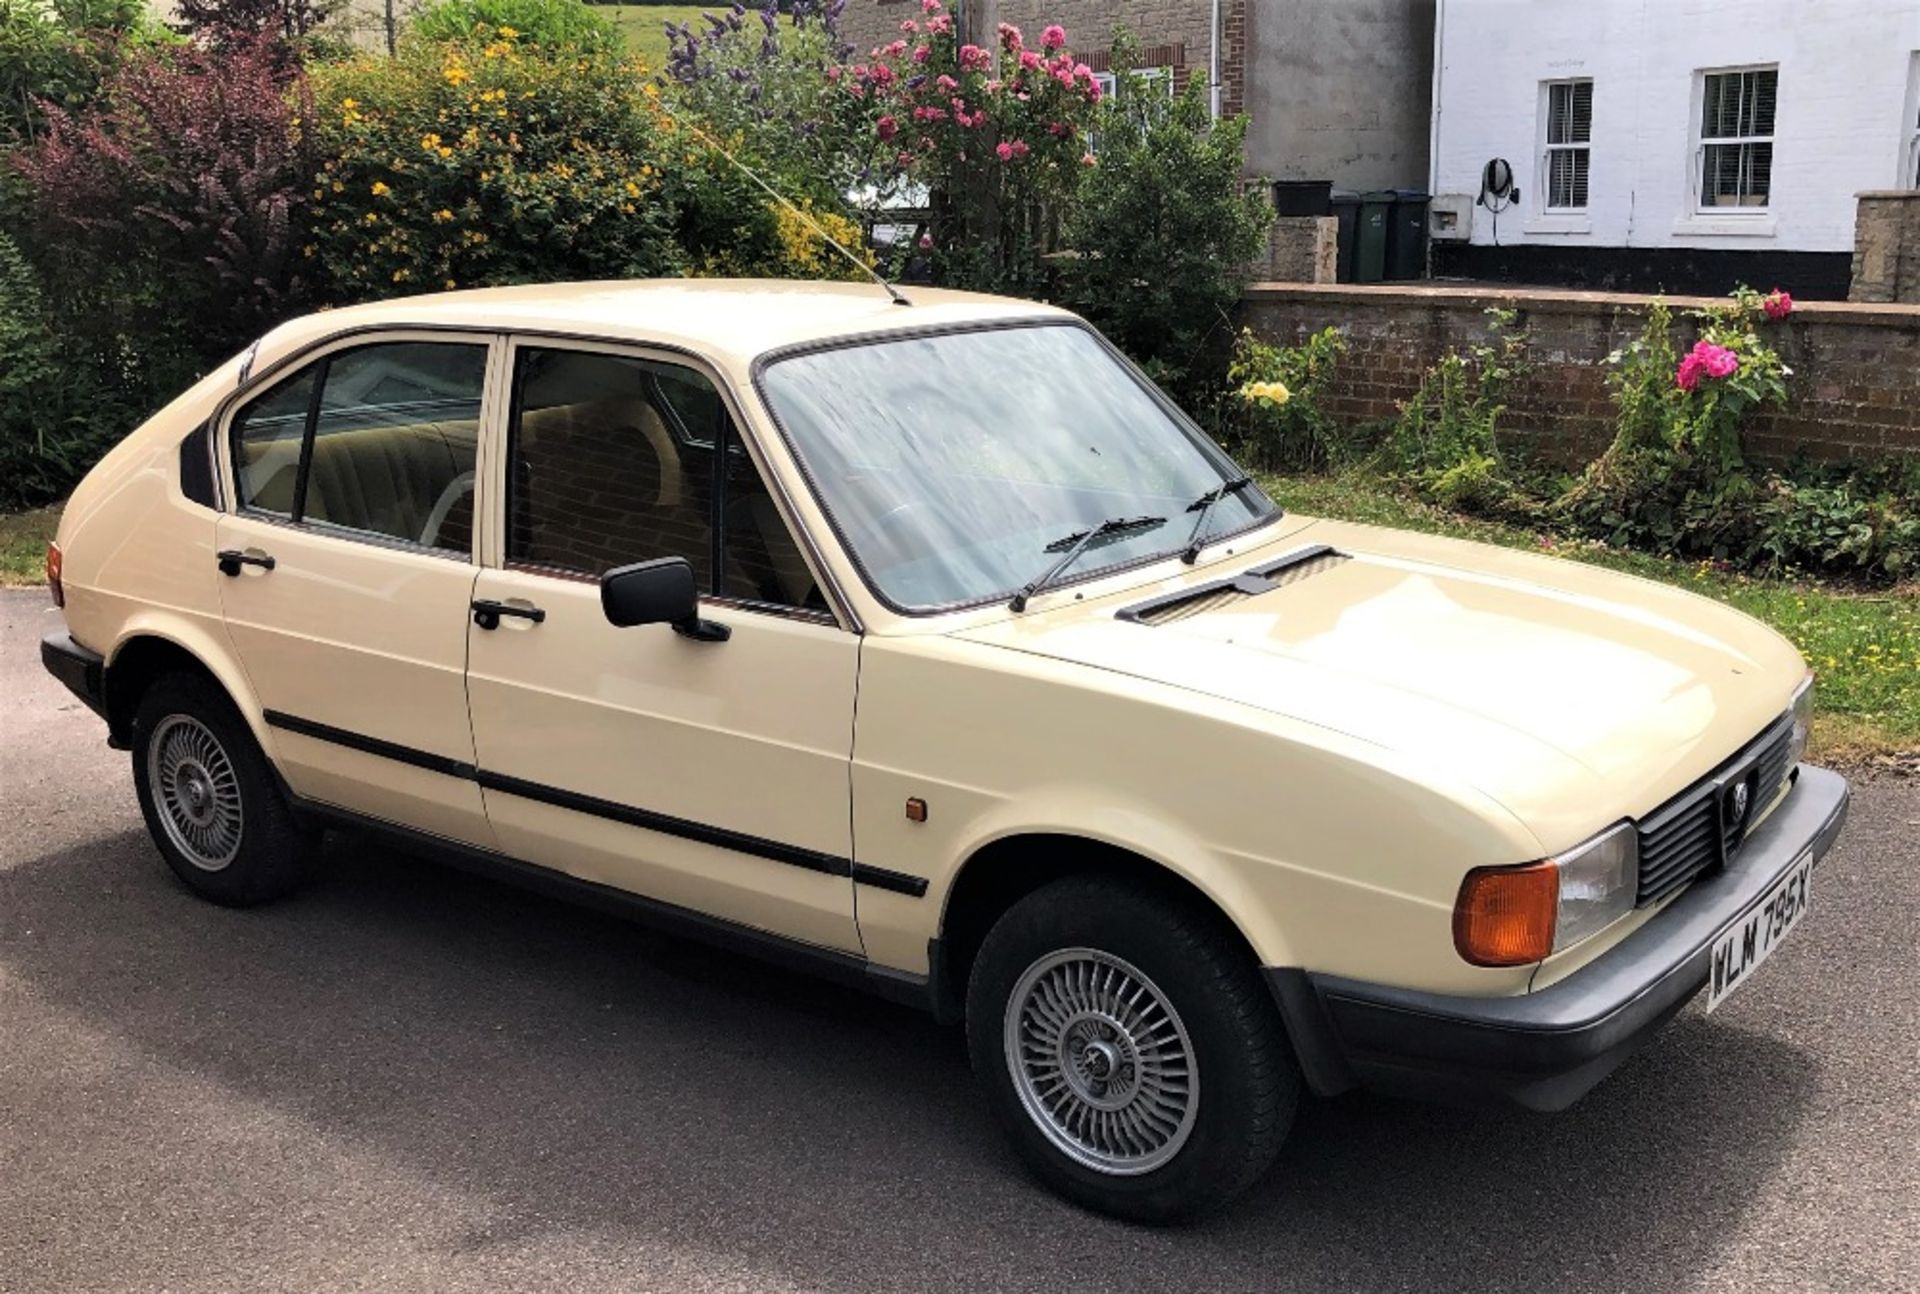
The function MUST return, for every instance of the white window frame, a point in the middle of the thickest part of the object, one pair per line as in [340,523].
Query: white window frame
[1909,173]
[1697,172]
[1547,148]
[1109,83]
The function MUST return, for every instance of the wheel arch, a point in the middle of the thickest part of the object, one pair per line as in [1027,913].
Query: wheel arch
[1002,871]
[147,651]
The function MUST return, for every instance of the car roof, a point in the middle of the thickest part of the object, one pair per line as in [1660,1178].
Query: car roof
[732,321]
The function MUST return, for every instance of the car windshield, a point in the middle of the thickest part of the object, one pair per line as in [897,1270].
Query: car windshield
[954,465]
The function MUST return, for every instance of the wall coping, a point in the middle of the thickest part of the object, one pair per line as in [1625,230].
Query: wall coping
[1564,301]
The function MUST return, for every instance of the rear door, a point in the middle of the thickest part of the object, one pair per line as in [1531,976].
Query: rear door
[351,560]
[708,775]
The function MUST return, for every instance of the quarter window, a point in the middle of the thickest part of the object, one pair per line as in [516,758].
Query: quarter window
[378,440]
[1569,139]
[1735,142]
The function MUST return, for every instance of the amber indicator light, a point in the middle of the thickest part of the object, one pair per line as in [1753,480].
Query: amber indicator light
[1505,915]
[53,575]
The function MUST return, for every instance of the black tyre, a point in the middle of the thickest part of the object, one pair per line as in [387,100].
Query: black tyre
[1130,1049]
[210,797]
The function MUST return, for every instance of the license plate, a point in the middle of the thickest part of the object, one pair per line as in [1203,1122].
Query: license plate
[1752,939]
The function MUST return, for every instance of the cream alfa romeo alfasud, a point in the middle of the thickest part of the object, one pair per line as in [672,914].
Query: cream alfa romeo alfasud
[929,647]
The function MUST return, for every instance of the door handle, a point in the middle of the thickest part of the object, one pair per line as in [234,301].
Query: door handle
[487,613]
[232,559]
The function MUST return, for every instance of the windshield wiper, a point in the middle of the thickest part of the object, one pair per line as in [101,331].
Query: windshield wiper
[1204,506]
[1075,544]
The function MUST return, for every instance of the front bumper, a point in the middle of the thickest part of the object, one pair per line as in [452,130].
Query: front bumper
[1545,1050]
[80,668]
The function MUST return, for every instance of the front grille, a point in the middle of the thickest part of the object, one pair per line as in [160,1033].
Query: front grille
[1694,831]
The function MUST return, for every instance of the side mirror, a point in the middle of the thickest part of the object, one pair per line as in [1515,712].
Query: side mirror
[658,592]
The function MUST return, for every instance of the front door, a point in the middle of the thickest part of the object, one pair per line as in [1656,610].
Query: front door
[709,775]
[351,562]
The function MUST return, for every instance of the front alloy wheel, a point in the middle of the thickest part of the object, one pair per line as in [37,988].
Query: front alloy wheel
[1129,1047]
[1101,1061]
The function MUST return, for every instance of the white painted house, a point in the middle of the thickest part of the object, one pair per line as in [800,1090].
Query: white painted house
[1678,145]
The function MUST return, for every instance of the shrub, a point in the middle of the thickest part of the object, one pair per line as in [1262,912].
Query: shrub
[773,93]
[486,162]
[1445,443]
[58,53]
[1165,234]
[58,413]
[220,22]
[1278,419]
[551,24]
[163,220]
[998,154]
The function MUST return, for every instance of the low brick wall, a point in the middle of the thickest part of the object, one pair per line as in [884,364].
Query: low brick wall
[1856,368]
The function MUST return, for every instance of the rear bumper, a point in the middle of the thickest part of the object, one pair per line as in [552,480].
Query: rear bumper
[82,669]
[1545,1050]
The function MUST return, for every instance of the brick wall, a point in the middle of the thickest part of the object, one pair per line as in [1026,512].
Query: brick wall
[1855,388]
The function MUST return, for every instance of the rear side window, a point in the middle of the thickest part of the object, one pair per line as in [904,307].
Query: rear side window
[379,440]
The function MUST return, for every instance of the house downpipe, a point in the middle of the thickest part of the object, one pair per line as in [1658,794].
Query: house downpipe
[1213,64]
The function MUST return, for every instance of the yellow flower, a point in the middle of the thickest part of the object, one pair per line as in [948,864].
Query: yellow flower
[430,142]
[456,75]
[508,33]
[495,50]
[442,216]
[633,190]
[449,285]
[1274,393]
[398,275]
[380,189]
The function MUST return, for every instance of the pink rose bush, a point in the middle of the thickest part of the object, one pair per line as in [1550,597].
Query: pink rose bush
[1777,304]
[1705,360]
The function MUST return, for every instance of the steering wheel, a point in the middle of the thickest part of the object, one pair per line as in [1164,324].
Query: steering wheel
[458,488]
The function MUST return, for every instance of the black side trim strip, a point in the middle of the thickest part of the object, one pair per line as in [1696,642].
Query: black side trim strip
[882,879]
[737,841]
[841,967]
[369,745]
[646,819]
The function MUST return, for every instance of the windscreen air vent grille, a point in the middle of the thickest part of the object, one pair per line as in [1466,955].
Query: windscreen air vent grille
[1187,603]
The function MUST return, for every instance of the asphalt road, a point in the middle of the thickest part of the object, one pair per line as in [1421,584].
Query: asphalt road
[413,1079]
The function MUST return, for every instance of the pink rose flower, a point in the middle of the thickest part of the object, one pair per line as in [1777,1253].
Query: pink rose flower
[1094,92]
[975,59]
[922,53]
[929,6]
[904,159]
[887,127]
[833,73]
[939,26]
[1088,159]
[1084,72]
[1720,362]
[1064,78]
[882,74]
[1019,147]
[946,83]
[1053,37]
[1010,38]
[1005,151]
[1778,304]
[1687,377]
[896,49]
[910,27]
[926,242]
[1029,60]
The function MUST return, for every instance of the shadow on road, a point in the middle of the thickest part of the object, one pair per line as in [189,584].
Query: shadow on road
[577,1071]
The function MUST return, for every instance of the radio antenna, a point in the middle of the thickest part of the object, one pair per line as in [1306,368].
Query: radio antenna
[781,198]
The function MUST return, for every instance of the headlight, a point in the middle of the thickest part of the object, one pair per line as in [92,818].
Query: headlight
[1509,916]
[1598,882]
[1802,722]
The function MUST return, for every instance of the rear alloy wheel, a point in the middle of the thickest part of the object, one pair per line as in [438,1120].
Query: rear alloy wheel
[210,798]
[1130,1049]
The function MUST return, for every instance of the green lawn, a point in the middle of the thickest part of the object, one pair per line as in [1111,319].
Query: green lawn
[1864,645]
[644,25]
[23,545]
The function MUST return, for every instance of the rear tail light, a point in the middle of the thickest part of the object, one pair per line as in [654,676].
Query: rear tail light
[1505,915]
[53,575]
